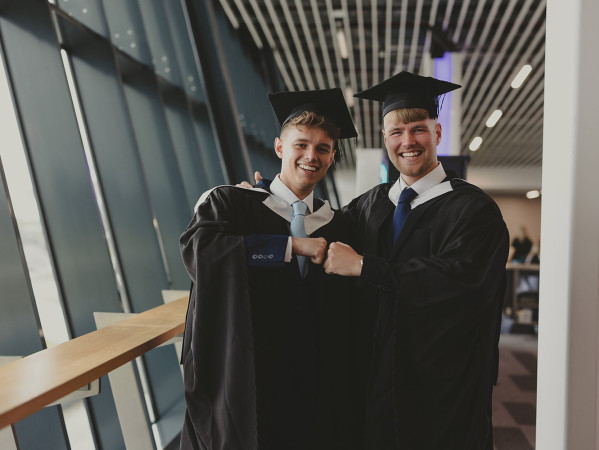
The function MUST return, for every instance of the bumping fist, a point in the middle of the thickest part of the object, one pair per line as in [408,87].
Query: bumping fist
[314,248]
[343,260]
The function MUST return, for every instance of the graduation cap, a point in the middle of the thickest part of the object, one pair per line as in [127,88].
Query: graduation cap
[328,103]
[408,90]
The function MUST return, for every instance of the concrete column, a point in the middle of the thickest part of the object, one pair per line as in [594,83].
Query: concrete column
[568,382]
[449,68]
[368,168]
[427,67]
[455,111]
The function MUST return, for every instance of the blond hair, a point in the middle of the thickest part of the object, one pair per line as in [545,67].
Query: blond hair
[312,119]
[408,115]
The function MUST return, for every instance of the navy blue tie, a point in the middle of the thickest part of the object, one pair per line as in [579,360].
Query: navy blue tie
[402,210]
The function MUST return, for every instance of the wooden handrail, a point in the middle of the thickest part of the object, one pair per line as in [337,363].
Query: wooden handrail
[522,266]
[31,383]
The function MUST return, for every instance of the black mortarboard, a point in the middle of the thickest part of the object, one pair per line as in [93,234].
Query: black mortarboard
[407,90]
[328,103]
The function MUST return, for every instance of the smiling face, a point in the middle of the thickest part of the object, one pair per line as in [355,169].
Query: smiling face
[306,153]
[412,146]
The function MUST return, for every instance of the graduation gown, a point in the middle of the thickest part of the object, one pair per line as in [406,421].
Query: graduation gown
[433,310]
[265,352]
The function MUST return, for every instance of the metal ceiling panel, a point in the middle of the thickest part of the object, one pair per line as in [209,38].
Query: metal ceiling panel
[495,38]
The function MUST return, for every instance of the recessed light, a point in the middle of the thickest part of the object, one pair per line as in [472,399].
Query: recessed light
[475,144]
[493,118]
[519,79]
[342,43]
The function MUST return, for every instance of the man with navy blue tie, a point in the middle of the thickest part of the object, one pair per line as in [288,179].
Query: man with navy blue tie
[266,349]
[432,260]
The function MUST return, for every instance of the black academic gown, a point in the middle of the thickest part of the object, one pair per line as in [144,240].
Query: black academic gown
[265,353]
[432,309]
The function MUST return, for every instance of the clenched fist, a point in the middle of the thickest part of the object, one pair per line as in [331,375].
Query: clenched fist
[343,260]
[314,248]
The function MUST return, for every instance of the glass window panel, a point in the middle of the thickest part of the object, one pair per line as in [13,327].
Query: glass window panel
[163,53]
[186,145]
[19,335]
[125,193]
[255,113]
[264,160]
[209,150]
[81,260]
[183,48]
[88,12]
[126,29]
[160,167]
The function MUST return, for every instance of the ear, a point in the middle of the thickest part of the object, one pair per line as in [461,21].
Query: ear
[279,147]
[438,133]
[384,136]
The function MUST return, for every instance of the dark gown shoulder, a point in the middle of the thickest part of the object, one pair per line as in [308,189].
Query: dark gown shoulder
[226,194]
[361,207]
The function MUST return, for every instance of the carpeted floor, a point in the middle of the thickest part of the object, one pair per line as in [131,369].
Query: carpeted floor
[515,396]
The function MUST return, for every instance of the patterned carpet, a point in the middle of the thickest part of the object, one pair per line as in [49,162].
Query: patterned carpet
[514,398]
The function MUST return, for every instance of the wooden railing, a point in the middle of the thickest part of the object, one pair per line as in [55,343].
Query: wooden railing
[35,381]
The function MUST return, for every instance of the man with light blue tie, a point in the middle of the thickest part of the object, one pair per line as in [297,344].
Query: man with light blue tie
[432,267]
[266,351]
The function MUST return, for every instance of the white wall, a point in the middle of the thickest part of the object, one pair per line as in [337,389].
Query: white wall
[366,175]
[368,165]
[505,179]
[519,211]
[569,288]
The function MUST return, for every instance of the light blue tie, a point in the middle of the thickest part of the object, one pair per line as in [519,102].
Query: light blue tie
[298,230]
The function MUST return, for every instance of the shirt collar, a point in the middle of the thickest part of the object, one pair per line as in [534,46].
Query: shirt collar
[282,197]
[280,189]
[430,180]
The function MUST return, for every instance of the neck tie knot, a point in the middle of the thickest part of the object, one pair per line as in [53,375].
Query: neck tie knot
[407,195]
[299,208]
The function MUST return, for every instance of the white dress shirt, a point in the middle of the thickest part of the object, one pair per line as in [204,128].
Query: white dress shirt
[428,187]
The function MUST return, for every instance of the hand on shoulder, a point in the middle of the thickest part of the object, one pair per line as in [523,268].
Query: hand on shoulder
[247,185]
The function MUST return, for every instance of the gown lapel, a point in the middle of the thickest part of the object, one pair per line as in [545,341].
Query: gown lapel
[377,219]
[411,222]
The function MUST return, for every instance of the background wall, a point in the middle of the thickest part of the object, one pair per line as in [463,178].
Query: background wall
[520,211]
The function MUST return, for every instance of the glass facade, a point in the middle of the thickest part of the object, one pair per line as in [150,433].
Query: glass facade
[113,119]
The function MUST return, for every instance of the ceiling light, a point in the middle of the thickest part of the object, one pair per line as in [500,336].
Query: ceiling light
[519,79]
[349,96]
[229,14]
[533,194]
[493,118]
[342,43]
[338,14]
[475,144]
